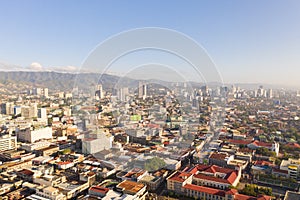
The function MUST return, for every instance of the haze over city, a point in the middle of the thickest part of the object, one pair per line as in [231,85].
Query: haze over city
[149,100]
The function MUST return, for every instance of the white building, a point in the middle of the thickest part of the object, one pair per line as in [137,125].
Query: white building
[99,93]
[17,110]
[142,90]
[47,193]
[8,142]
[41,92]
[95,145]
[292,166]
[7,108]
[42,113]
[35,146]
[30,135]
[122,93]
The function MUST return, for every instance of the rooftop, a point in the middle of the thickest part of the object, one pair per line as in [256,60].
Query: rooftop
[130,186]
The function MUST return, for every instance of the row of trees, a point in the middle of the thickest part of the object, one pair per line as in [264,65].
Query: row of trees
[254,190]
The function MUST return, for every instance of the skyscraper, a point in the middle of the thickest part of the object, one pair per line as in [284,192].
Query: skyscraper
[122,93]
[99,94]
[142,90]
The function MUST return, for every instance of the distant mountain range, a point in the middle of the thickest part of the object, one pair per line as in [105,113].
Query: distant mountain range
[62,81]
[67,81]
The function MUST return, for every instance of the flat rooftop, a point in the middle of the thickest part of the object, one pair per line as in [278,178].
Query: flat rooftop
[130,186]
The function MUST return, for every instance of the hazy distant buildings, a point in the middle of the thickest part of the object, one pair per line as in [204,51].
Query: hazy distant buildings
[29,112]
[7,108]
[260,91]
[99,93]
[270,94]
[142,90]
[123,93]
[41,92]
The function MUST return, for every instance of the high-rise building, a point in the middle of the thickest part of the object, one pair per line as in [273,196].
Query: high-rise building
[7,108]
[31,135]
[142,90]
[17,110]
[41,92]
[260,91]
[122,93]
[270,94]
[204,91]
[42,113]
[96,142]
[99,93]
[8,142]
[29,111]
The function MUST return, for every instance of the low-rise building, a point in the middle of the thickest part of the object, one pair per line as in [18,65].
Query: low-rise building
[71,190]
[292,166]
[138,190]
[153,181]
[48,192]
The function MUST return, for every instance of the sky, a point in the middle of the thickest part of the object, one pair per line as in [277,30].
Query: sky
[250,41]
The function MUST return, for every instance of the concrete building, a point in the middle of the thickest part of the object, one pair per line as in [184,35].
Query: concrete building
[7,108]
[71,190]
[290,195]
[123,93]
[142,90]
[32,135]
[95,145]
[270,146]
[8,142]
[138,190]
[292,166]
[41,92]
[29,112]
[42,113]
[17,110]
[99,93]
[47,193]
[35,146]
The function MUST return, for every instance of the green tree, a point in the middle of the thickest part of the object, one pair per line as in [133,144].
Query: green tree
[154,164]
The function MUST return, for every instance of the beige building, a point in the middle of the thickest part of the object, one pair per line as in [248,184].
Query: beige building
[32,135]
[292,166]
[47,193]
[8,142]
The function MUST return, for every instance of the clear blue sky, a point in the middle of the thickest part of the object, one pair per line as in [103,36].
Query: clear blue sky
[250,41]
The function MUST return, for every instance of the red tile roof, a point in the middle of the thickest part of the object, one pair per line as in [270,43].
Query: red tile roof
[229,178]
[63,163]
[263,163]
[264,197]
[261,144]
[293,145]
[243,197]
[239,142]
[204,189]
[26,172]
[218,156]
[99,189]
[180,176]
